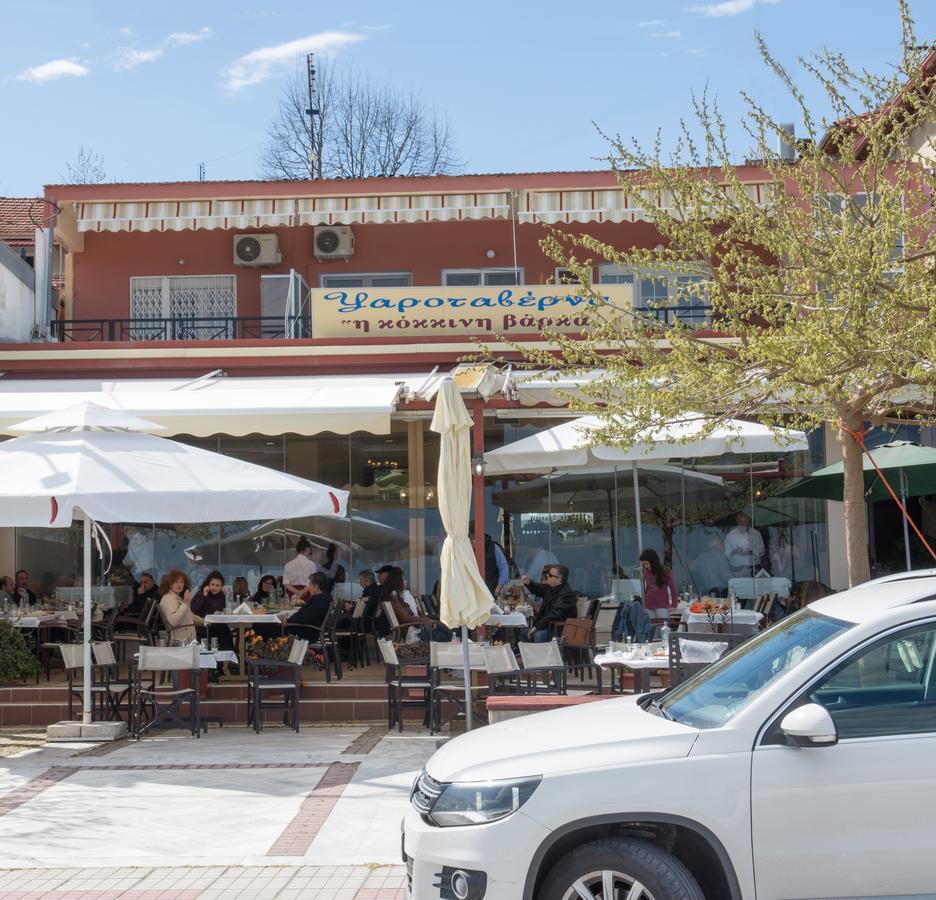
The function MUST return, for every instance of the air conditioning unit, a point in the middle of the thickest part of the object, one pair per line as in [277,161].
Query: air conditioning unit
[256,250]
[333,242]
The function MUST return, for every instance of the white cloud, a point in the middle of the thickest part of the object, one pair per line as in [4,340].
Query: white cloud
[652,23]
[56,68]
[256,66]
[126,31]
[730,7]
[669,35]
[131,57]
[376,27]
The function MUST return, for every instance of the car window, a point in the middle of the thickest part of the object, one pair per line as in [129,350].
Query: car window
[720,691]
[886,689]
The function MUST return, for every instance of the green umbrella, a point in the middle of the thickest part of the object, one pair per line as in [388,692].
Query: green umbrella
[918,465]
[909,469]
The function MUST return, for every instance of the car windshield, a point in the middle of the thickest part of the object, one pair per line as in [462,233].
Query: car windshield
[719,692]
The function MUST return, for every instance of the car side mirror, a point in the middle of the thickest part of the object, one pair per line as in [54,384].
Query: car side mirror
[809,726]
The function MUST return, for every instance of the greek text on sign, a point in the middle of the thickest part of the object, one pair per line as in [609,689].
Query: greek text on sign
[518,309]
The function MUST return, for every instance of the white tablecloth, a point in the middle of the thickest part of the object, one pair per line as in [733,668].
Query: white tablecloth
[606,660]
[211,659]
[65,615]
[514,620]
[243,619]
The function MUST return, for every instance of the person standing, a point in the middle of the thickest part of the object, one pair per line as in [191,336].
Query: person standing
[744,547]
[558,602]
[496,571]
[660,593]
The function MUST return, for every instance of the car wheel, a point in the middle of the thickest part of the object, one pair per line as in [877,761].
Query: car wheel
[620,869]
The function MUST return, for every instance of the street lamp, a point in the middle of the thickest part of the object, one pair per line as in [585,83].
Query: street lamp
[478,465]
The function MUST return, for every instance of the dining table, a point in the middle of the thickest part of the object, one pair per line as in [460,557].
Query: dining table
[242,622]
[740,621]
[641,659]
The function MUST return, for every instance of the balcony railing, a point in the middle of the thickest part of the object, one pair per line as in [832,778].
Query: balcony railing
[273,328]
[183,328]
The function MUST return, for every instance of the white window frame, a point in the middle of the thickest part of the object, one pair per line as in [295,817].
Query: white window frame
[482,272]
[365,276]
[640,304]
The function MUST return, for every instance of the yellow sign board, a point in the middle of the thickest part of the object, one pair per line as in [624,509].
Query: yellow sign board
[421,312]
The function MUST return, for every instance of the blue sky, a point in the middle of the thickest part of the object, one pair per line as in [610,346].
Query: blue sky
[157,88]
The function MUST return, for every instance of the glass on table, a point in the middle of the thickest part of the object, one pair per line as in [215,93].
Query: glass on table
[214,644]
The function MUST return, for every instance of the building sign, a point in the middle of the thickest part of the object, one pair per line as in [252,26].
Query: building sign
[420,311]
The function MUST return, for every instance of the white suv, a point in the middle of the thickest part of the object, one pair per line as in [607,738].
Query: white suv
[800,765]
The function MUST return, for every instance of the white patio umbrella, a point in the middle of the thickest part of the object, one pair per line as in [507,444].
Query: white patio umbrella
[464,598]
[569,446]
[97,464]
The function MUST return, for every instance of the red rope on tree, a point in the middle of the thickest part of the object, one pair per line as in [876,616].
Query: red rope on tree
[859,438]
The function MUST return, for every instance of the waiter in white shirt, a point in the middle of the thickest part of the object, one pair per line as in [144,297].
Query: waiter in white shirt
[744,547]
[298,571]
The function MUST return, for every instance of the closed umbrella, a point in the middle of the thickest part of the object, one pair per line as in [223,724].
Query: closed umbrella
[464,598]
[97,464]
[909,467]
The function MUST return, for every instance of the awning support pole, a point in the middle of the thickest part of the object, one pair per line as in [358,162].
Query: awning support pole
[637,507]
[906,528]
[86,678]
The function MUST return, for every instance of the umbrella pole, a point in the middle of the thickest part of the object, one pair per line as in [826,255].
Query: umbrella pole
[86,678]
[466,657]
[637,508]
[903,518]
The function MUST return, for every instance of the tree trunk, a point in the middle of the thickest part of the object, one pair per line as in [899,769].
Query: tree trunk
[856,523]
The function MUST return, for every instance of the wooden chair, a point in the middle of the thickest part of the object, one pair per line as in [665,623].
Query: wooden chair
[708,648]
[401,686]
[579,648]
[285,688]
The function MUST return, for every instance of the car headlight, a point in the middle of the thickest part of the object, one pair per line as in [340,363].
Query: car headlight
[476,803]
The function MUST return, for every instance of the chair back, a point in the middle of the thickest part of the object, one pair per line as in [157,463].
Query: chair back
[103,652]
[604,623]
[499,660]
[168,659]
[387,652]
[73,655]
[542,656]
[332,617]
[576,633]
[582,605]
[358,610]
[297,653]
[446,655]
[387,608]
[149,611]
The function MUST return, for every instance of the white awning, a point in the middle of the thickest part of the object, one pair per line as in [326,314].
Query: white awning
[234,406]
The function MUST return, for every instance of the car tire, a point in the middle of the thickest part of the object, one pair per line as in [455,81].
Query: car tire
[627,862]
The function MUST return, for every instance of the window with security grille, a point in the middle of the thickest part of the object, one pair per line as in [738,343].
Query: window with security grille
[182,307]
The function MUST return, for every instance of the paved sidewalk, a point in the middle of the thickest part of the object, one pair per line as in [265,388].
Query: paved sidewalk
[233,814]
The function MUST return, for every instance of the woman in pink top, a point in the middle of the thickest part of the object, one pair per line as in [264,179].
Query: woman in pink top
[660,594]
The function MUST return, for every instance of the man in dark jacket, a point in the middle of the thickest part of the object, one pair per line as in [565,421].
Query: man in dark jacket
[557,602]
[314,612]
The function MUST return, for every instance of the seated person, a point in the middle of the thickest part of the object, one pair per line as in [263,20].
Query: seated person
[315,610]
[240,590]
[23,594]
[7,589]
[145,591]
[266,591]
[176,609]
[557,602]
[210,600]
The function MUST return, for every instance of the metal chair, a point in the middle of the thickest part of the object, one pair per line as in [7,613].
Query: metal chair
[142,629]
[579,648]
[278,685]
[708,648]
[166,701]
[118,692]
[543,666]
[323,638]
[502,670]
[445,656]
[400,686]
[49,637]
[73,657]
[351,629]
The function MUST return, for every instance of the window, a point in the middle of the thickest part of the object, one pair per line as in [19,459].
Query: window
[887,689]
[566,276]
[481,277]
[182,307]
[663,296]
[853,205]
[368,280]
